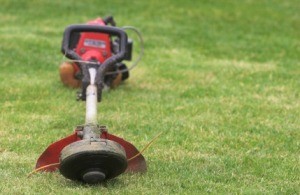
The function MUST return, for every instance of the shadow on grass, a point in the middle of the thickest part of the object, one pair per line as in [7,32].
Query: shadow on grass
[115,182]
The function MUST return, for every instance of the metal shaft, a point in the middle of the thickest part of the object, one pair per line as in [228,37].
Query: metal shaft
[90,130]
[91,105]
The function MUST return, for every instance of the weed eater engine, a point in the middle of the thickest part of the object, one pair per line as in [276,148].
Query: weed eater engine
[91,154]
[96,47]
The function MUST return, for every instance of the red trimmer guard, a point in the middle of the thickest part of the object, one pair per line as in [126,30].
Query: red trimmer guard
[52,153]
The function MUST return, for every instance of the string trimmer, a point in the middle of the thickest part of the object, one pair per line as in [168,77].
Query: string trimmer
[91,154]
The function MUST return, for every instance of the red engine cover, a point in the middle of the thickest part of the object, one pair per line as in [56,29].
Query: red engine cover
[94,46]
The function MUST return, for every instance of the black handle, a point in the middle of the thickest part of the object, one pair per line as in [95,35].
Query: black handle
[114,31]
[98,29]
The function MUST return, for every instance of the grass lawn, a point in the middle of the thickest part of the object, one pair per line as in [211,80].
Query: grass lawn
[220,79]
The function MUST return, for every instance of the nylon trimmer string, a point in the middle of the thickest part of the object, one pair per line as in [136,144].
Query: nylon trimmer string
[135,156]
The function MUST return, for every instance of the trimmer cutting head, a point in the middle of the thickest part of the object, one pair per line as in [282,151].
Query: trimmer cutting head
[92,162]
